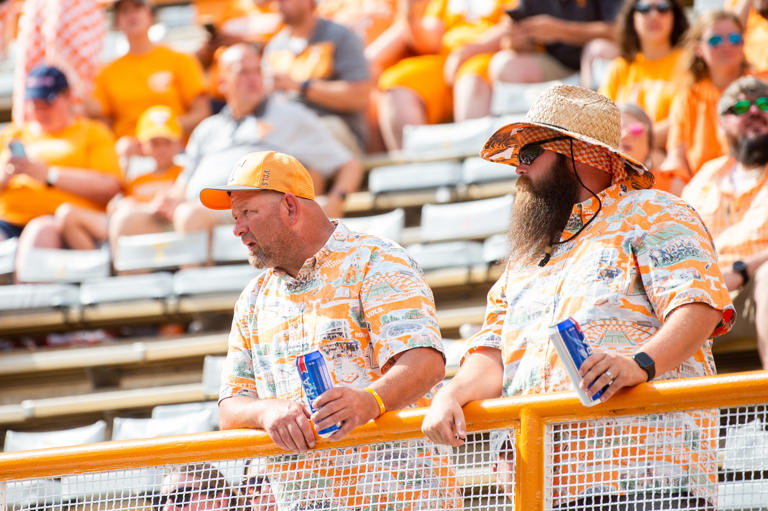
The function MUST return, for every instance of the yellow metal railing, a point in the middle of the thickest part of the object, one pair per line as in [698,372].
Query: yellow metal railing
[529,416]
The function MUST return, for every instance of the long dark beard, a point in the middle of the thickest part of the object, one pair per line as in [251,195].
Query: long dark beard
[750,151]
[541,211]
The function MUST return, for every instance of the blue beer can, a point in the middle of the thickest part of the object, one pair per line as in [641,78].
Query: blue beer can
[315,379]
[573,350]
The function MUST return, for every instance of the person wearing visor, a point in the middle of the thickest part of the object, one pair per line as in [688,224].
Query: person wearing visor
[358,299]
[731,194]
[55,159]
[633,266]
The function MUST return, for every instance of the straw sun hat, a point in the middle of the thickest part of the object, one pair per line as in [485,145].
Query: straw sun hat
[574,111]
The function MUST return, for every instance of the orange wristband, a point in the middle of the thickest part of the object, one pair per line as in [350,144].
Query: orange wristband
[379,401]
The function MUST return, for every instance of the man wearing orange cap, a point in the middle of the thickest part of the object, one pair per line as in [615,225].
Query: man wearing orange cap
[356,298]
[636,269]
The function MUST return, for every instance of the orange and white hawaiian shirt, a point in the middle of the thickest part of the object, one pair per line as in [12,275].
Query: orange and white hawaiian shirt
[645,254]
[361,301]
[737,218]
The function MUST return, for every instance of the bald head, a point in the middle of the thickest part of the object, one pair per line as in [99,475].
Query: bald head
[240,78]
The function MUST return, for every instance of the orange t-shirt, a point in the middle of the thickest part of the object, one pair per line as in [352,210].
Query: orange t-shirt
[252,21]
[736,219]
[129,85]
[755,37]
[84,144]
[367,18]
[650,84]
[693,121]
[144,188]
[466,21]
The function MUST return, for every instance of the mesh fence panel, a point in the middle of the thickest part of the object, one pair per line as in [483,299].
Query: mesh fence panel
[695,460]
[409,475]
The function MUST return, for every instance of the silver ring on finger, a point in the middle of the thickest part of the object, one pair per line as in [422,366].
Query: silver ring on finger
[610,376]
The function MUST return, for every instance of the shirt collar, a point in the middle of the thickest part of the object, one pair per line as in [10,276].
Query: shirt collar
[340,233]
[583,211]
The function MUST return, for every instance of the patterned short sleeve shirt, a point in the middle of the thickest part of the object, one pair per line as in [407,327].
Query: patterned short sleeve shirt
[360,300]
[646,254]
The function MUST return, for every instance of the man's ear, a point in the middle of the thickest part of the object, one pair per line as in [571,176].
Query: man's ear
[292,206]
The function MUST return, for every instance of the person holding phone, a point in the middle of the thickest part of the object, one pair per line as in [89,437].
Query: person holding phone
[53,159]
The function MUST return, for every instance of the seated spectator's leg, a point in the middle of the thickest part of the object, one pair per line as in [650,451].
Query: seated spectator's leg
[397,109]
[761,312]
[132,218]
[472,89]
[414,91]
[81,229]
[513,67]
[348,178]
[191,217]
[341,131]
[596,56]
[41,232]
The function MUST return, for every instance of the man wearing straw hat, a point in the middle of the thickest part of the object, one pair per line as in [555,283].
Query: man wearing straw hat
[359,300]
[589,239]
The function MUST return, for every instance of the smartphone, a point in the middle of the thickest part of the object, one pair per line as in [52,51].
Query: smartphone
[516,14]
[17,149]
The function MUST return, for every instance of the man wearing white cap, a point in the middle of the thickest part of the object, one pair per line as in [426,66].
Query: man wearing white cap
[359,300]
[635,267]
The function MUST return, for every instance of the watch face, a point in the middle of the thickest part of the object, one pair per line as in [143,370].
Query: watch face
[739,266]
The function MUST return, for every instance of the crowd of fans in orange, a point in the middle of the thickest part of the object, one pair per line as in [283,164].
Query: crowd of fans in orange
[93,151]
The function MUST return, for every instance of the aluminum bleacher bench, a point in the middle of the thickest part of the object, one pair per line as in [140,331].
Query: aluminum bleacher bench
[128,428]
[23,440]
[36,305]
[161,250]
[387,225]
[8,255]
[60,265]
[431,256]
[414,176]
[226,247]
[465,220]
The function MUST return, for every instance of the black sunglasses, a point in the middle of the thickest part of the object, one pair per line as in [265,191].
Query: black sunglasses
[529,152]
[180,497]
[256,482]
[645,8]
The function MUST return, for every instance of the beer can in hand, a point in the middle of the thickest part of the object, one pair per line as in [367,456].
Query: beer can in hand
[315,379]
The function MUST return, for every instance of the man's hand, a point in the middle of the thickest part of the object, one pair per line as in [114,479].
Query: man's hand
[33,168]
[164,205]
[541,29]
[732,280]
[444,422]
[347,406]
[287,424]
[283,82]
[615,371]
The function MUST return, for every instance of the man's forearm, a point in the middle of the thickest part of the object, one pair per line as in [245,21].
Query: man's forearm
[410,378]
[340,95]
[242,412]
[480,377]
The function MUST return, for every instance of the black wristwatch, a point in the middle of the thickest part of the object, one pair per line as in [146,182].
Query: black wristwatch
[646,363]
[740,267]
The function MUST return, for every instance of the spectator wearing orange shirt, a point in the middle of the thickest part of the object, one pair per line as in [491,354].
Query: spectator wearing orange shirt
[754,16]
[648,34]
[149,74]
[731,195]
[450,39]
[159,134]
[714,57]
[67,160]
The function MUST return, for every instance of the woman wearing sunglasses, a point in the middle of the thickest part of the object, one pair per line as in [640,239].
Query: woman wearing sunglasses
[713,58]
[648,32]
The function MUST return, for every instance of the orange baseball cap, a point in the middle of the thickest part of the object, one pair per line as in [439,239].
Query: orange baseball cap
[158,121]
[264,170]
